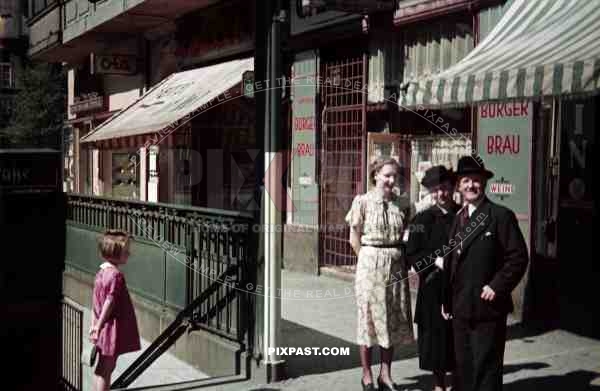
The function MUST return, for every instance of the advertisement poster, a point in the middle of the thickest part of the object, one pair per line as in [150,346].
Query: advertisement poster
[305,193]
[504,145]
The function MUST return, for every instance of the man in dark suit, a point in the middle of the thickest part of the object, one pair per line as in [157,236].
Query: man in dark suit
[487,260]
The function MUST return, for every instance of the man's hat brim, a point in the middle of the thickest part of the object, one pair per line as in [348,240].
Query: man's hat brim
[471,171]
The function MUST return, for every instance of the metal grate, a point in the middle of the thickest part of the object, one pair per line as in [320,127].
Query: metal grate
[342,160]
[72,347]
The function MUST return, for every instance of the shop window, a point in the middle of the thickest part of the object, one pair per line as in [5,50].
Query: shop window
[69,161]
[125,176]
[6,109]
[6,75]
[427,152]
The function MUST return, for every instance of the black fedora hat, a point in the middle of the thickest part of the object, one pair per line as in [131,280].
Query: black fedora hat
[470,165]
[436,175]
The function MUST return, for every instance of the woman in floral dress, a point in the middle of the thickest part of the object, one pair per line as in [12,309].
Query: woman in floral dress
[377,220]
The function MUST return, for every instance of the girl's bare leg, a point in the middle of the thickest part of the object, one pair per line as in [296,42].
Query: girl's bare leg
[104,369]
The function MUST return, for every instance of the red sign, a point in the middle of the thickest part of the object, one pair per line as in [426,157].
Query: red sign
[305,149]
[504,144]
[504,109]
[304,123]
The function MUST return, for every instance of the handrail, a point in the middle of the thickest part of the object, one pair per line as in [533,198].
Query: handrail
[215,242]
[170,335]
[160,205]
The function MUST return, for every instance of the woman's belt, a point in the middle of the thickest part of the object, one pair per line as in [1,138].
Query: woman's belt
[397,245]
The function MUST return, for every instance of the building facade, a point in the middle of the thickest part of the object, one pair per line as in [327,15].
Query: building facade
[13,49]
[164,106]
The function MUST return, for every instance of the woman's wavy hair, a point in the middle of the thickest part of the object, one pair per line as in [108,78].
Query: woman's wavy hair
[377,164]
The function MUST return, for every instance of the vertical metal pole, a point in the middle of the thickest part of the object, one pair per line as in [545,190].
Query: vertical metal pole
[273,198]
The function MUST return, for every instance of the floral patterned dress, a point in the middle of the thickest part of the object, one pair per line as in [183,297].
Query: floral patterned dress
[381,284]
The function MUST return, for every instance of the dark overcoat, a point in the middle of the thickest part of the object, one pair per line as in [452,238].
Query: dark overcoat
[429,232]
[488,250]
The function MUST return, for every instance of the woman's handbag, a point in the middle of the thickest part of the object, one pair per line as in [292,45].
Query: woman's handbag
[90,356]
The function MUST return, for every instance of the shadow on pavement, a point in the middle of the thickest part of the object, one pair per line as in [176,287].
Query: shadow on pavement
[511,368]
[297,335]
[530,329]
[425,382]
[577,380]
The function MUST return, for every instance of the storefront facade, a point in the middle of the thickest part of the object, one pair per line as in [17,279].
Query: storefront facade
[534,128]
[193,139]
[327,134]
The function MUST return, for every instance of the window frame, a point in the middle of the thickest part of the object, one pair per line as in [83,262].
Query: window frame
[11,81]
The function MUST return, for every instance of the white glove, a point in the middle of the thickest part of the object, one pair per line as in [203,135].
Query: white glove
[439,262]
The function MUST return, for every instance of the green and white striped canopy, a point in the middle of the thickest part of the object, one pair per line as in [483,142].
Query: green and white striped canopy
[539,48]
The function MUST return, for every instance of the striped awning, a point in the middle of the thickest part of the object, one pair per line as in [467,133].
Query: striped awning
[539,48]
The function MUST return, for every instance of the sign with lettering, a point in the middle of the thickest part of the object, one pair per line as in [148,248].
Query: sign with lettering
[504,145]
[203,37]
[87,103]
[29,171]
[305,192]
[115,64]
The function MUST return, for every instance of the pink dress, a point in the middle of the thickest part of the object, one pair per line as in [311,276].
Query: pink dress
[120,332]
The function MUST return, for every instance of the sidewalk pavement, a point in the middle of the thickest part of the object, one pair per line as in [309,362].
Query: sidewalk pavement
[167,369]
[550,361]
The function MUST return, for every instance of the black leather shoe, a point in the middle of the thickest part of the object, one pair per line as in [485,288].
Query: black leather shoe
[384,386]
[367,387]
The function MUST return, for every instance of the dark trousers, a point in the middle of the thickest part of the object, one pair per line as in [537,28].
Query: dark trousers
[479,350]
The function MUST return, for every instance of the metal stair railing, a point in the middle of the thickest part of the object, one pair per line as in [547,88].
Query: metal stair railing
[184,321]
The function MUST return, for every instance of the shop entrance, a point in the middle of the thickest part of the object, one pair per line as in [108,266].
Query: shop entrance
[579,269]
[342,169]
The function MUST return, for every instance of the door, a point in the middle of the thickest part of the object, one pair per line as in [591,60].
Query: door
[342,170]
[579,268]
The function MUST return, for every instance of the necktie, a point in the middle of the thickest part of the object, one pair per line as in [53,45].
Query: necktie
[464,216]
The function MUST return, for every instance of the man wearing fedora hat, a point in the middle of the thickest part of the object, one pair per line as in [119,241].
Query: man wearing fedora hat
[487,260]
[428,234]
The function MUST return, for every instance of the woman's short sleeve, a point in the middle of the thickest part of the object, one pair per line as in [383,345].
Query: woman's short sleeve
[356,215]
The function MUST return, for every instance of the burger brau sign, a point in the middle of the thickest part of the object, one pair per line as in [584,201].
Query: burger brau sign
[505,143]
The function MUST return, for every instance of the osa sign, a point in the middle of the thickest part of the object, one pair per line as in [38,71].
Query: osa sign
[116,64]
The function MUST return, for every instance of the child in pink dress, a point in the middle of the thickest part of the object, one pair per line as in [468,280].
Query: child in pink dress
[114,328]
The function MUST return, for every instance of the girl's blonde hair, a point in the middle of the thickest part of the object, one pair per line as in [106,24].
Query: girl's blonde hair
[113,243]
[378,164]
